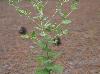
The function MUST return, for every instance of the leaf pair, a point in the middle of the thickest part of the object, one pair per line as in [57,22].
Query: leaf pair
[41,71]
[43,60]
[51,68]
[55,68]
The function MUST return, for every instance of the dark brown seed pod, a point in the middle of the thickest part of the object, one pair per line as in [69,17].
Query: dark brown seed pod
[22,30]
[57,41]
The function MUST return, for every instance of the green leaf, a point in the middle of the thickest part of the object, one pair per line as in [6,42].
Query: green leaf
[41,71]
[33,35]
[53,54]
[65,31]
[14,2]
[48,39]
[26,36]
[47,62]
[59,31]
[66,21]
[74,5]
[49,67]
[48,27]
[29,0]
[22,11]
[39,7]
[43,34]
[43,45]
[65,14]
[41,59]
[58,69]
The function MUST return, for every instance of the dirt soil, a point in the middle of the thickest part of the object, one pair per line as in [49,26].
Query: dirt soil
[81,47]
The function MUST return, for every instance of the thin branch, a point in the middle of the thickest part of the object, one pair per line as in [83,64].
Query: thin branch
[69,14]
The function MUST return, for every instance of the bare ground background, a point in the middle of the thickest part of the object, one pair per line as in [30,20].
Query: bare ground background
[81,47]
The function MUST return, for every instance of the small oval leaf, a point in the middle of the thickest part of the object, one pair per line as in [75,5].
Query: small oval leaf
[22,11]
[74,5]
[66,21]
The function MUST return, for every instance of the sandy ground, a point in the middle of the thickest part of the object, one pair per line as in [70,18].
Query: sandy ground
[81,47]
